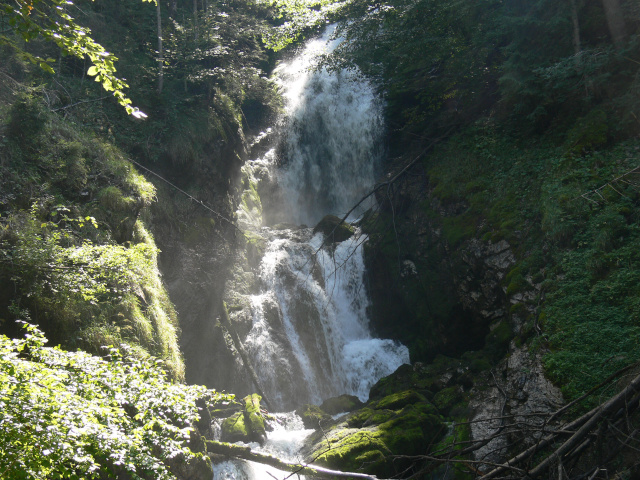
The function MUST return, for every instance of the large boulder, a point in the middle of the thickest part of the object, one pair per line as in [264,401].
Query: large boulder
[313,416]
[341,404]
[404,423]
[246,425]
[334,229]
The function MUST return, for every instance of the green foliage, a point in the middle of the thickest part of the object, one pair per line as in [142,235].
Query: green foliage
[50,20]
[445,63]
[72,247]
[580,247]
[297,17]
[73,415]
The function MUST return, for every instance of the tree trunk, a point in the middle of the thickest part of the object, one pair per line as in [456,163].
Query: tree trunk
[615,20]
[577,47]
[195,19]
[245,453]
[160,52]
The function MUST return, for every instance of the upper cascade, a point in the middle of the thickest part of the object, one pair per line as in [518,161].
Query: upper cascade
[332,135]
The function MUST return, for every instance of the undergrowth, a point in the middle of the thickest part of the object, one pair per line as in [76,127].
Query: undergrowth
[75,254]
[575,233]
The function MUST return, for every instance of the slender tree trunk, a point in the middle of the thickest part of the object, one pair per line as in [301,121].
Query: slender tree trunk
[160,52]
[577,47]
[577,44]
[195,19]
[615,20]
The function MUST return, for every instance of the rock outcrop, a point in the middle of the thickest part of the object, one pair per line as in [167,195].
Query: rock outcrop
[366,440]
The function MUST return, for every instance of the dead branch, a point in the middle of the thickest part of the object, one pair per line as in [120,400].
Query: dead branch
[620,178]
[608,407]
[245,453]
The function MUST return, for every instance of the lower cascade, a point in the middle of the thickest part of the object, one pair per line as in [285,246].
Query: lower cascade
[304,322]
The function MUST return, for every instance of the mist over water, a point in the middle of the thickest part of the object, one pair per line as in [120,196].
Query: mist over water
[332,136]
[309,338]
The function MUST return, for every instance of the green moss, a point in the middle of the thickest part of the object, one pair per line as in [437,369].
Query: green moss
[348,451]
[367,417]
[234,428]
[251,202]
[398,400]
[112,198]
[313,416]
[255,247]
[517,308]
[384,433]
[515,281]
[413,429]
[445,399]
[358,419]
[477,361]
[253,417]
[459,228]
[333,227]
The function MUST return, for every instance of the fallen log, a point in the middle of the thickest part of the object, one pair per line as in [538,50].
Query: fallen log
[245,453]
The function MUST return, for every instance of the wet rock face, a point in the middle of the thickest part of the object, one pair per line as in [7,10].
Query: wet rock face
[436,282]
[517,390]
[334,229]
[341,404]
[479,285]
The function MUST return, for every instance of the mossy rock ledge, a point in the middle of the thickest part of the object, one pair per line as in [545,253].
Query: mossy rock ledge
[247,425]
[341,404]
[403,423]
[313,416]
[334,229]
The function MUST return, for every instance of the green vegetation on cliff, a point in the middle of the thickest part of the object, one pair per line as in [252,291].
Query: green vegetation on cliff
[528,207]
[75,254]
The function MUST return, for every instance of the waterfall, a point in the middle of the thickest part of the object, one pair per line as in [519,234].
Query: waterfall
[310,338]
[332,135]
[307,330]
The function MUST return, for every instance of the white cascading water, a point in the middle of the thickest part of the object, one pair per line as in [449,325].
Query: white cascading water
[310,338]
[333,132]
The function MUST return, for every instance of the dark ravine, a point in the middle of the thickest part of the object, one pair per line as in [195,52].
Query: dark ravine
[504,256]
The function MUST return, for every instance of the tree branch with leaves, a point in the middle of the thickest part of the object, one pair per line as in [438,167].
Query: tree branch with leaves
[49,20]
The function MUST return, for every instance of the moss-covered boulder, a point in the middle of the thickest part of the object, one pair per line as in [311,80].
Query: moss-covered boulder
[246,425]
[447,398]
[313,416]
[399,400]
[334,229]
[425,379]
[234,429]
[254,418]
[341,404]
[403,423]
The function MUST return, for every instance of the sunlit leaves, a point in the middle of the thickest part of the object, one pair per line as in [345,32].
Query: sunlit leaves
[49,19]
[73,415]
[299,16]
[49,258]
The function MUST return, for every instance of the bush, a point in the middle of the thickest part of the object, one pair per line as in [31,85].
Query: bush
[73,415]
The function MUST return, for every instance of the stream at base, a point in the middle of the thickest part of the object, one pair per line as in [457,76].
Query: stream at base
[283,442]
[308,333]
